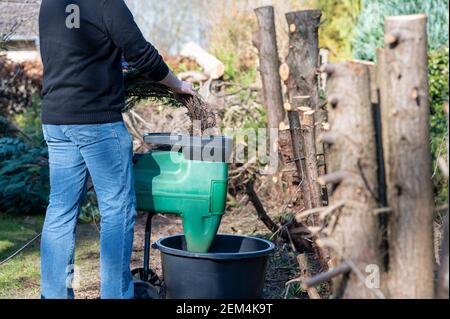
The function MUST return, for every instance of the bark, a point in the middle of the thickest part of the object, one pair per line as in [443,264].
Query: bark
[303,58]
[298,152]
[408,157]
[302,83]
[354,227]
[309,143]
[266,42]
[442,284]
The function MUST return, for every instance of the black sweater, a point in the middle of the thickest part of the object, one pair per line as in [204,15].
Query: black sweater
[83,80]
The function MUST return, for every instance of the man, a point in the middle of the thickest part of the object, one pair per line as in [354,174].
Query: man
[82,43]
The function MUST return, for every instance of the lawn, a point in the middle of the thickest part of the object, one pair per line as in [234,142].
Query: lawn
[20,277]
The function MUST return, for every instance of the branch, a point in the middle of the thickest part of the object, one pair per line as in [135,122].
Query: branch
[326,276]
[262,214]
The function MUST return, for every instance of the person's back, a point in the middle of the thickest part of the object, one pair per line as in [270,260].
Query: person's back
[82,44]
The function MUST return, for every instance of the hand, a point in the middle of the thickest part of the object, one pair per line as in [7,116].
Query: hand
[177,86]
[184,88]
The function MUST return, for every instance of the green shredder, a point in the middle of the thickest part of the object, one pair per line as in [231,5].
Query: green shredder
[187,176]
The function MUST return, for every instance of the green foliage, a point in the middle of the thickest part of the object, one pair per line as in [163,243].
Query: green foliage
[230,60]
[29,121]
[369,31]
[23,177]
[439,91]
[339,19]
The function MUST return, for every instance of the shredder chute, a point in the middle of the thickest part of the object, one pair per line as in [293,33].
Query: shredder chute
[187,176]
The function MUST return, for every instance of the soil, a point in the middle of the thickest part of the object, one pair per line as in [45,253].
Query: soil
[282,265]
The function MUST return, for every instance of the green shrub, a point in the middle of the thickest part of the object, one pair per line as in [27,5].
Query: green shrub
[369,32]
[23,177]
[338,21]
[439,91]
[29,121]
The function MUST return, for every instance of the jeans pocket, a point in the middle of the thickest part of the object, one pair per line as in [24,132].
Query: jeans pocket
[53,133]
[86,133]
[44,132]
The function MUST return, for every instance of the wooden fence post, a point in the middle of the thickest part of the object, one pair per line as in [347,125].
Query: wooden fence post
[408,157]
[300,75]
[265,41]
[353,225]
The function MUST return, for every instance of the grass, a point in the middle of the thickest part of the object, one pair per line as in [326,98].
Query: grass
[20,277]
[21,274]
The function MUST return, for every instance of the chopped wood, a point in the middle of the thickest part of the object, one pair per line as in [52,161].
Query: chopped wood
[209,63]
[284,72]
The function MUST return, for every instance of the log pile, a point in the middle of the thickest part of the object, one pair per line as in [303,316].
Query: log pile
[378,225]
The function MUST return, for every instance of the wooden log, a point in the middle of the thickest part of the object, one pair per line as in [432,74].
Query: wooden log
[209,63]
[303,88]
[353,163]
[298,152]
[269,65]
[305,270]
[303,58]
[310,153]
[443,278]
[303,91]
[410,190]
[375,83]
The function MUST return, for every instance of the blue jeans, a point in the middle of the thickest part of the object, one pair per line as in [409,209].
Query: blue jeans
[105,152]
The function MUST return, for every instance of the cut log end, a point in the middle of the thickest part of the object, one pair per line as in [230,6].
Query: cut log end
[292,28]
[284,72]
[287,107]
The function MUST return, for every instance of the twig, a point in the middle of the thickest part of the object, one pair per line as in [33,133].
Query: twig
[326,276]
[324,211]
[262,214]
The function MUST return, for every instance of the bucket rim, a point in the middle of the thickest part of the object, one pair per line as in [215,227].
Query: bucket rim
[217,256]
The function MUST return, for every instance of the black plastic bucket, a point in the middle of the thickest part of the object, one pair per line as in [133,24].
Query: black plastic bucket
[234,268]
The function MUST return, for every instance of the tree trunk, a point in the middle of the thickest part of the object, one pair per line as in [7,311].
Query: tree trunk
[408,157]
[354,227]
[309,145]
[299,154]
[303,59]
[265,41]
[442,284]
[300,74]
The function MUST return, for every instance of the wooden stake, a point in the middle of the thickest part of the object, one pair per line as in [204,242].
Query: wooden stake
[303,91]
[408,156]
[353,163]
[266,43]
